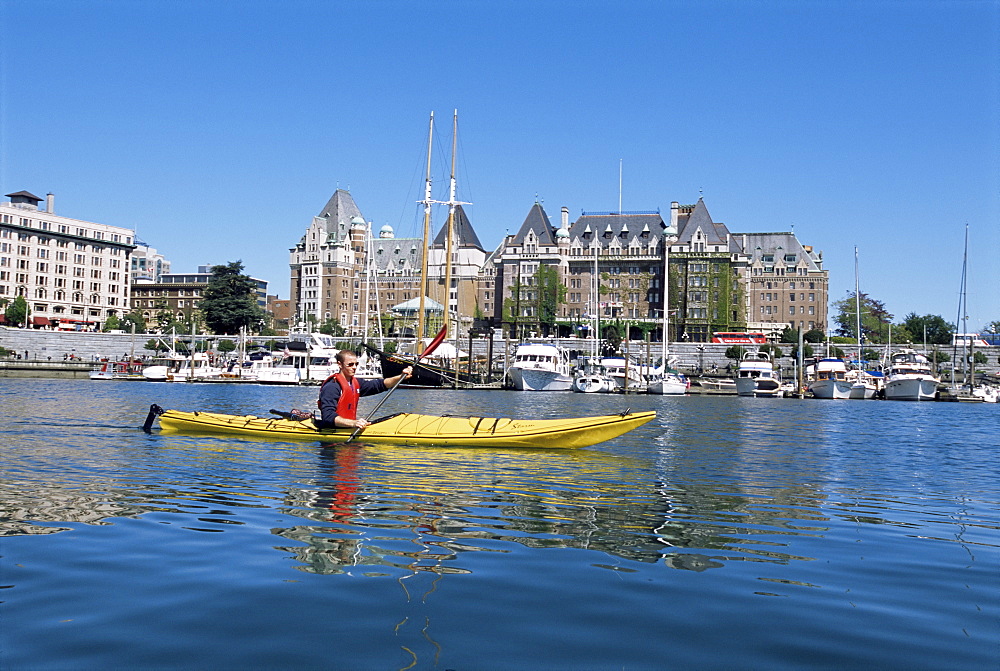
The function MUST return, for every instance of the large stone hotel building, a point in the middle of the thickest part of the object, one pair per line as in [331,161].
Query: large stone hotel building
[73,274]
[616,266]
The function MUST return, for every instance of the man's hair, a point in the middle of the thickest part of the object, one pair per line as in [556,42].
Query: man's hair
[342,354]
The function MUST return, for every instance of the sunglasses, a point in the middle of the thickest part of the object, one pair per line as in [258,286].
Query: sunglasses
[353,364]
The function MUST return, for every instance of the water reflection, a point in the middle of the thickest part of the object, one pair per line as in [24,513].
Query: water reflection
[712,481]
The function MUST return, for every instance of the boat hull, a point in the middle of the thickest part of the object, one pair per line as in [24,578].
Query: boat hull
[539,379]
[911,389]
[761,387]
[413,429]
[830,389]
[667,387]
[861,391]
[594,384]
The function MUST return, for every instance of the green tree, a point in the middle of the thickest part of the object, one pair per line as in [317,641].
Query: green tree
[735,352]
[875,319]
[939,331]
[226,346]
[167,321]
[789,335]
[331,327]
[111,323]
[134,318]
[612,334]
[156,345]
[774,350]
[512,306]
[807,351]
[17,312]
[814,335]
[551,293]
[229,302]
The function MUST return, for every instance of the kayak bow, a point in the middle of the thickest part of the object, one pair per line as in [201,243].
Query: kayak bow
[413,429]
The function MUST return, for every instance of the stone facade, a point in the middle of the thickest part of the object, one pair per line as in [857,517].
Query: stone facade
[73,274]
[340,272]
[179,293]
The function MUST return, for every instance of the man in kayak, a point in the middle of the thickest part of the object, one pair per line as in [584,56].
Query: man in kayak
[339,393]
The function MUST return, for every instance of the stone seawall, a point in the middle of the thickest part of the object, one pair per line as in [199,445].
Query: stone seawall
[60,345]
[69,370]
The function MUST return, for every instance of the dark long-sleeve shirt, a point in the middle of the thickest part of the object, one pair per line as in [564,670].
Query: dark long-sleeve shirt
[329,397]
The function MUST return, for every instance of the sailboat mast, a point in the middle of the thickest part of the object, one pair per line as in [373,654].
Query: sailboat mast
[597,301]
[666,303]
[427,228]
[451,228]
[963,318]
[857,303]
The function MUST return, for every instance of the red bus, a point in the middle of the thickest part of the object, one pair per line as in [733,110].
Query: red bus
[739,338]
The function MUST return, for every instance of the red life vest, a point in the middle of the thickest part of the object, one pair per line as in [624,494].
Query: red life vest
[347,406]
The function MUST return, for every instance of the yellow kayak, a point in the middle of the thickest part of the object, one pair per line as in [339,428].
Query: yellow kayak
[412,429]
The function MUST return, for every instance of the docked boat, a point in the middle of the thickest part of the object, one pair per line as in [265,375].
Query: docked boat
[590,377]
[664,380]
[182,368]
[717,385]
[910,378]
[830,379]
[757,376]
[540,367]
[308,357]
[627,374]
[865,384]
[118,370]
[667,381]
[412,429]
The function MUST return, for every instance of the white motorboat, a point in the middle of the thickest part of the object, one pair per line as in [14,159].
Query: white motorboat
[590,383]
[627,374]
[830,379]
[540,367]
[666,381]
[182,368]
[910,378]
[591,378]
[865,384]
[757,376]
[717,385]
[669,384]
[309,357]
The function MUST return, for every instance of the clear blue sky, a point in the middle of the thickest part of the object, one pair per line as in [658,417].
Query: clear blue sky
[218,129]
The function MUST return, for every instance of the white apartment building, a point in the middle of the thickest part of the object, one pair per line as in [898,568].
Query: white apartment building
[73,274]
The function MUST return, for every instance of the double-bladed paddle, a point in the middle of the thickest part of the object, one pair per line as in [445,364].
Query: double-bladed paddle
[438,339]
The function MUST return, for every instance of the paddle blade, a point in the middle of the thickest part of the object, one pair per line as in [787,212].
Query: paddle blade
[438,339]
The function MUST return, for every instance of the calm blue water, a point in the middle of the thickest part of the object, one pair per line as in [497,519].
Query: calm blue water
[728,534]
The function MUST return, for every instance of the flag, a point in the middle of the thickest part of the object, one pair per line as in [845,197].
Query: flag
[438,339]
